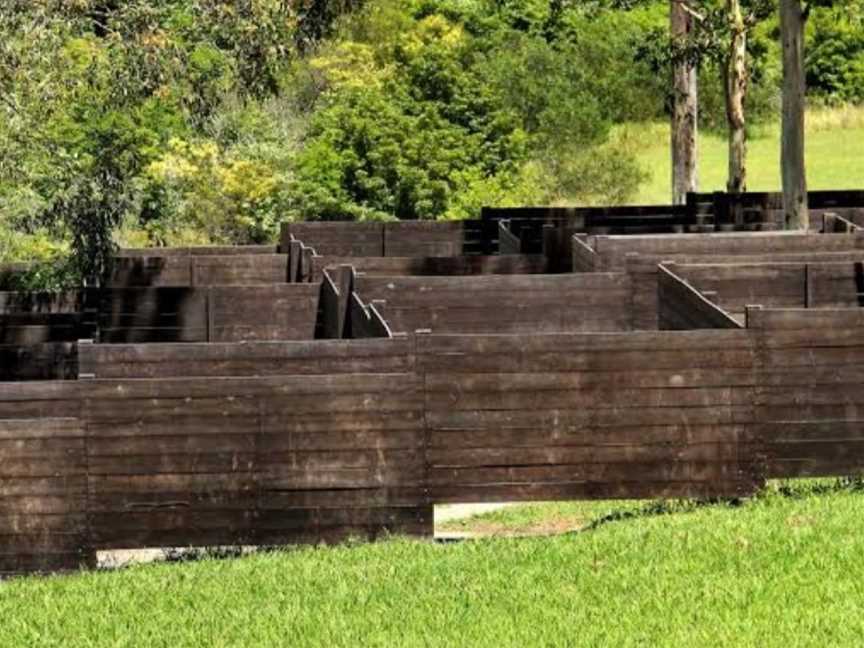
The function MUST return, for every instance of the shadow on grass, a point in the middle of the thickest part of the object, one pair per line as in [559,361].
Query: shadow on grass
[775,490]
[780,490]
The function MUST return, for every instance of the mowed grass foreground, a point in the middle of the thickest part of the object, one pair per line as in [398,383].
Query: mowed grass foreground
[834,144]
[785,569]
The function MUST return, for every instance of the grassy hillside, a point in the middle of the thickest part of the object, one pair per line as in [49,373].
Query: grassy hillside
[784,569]
[834,160]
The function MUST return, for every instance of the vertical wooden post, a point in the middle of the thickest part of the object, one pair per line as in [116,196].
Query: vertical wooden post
[551,248]
[86,369]
[295,252]
[209,314]
[751,315]
[420,338]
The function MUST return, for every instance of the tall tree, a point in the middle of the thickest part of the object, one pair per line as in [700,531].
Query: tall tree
[793,16]
[685,106]
[721,31]
[736,81]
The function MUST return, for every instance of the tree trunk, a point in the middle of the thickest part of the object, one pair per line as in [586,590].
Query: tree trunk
[792,21]
[736,83]
[684,109]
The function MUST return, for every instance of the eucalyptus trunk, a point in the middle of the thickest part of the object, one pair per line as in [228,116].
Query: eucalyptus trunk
[684,108]
[736,84]
[792,19]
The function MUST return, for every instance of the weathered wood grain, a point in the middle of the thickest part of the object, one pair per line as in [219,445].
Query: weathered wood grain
[683,307]
[443,266]
[501,304]
[424,239]
[337,238]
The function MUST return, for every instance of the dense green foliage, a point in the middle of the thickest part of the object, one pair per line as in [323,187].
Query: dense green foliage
[434,113]
[783,569]
[835,55]
[193,121]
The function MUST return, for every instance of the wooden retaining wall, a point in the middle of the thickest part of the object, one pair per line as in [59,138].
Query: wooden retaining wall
[435,266]
[610,252]
[43,486]
[336,238]
[681,307]
[810,401]
[317,454]
[640,257]
[716,211]
[735,287]
[777,285]
[178,445]
[215,314]
[502,304]
[637,219]
[39,318]
[191,270]
[199,251]
[44,361]
[587,416]
[835,285]
[393,239]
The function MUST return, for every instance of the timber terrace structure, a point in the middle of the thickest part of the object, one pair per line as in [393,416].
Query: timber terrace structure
[346,380]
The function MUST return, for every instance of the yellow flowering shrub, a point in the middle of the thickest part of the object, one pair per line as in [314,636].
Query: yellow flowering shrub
[230,200]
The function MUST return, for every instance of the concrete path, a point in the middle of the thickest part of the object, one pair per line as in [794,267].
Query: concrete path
[448,512]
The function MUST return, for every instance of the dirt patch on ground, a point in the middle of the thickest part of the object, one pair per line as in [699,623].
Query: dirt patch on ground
[550,527]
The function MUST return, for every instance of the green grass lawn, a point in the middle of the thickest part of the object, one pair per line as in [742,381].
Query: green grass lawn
[785,569]
[834,155]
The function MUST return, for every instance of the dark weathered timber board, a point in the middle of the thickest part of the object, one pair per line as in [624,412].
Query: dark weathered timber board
[69,302]
[393,266]
[843,321]
[252,313]
[735,287]
[153,314]
[338,238]
[218,266]
[424,239]
[836,285]
[584,257]
[43,504]
[192,462]
[240,270]
[682,307]
[365,321]
[502,304]
[808,404]
[554,319]
[170,270]
[198,251]
[40,318]
[553,284]
[612,250]
[526,431]
[248,359]
[54,329]
[217,313]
